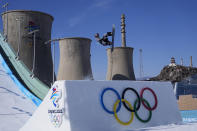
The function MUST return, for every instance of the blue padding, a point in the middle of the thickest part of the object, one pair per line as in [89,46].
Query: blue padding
[35,100]
[189,115]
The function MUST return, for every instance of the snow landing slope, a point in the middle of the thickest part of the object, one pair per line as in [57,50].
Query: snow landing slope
[16,103]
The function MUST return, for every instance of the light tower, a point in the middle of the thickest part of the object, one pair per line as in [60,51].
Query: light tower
[141,65]
[191,64]
[53,41]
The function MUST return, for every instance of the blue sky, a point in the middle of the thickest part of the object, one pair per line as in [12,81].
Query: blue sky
[162,28]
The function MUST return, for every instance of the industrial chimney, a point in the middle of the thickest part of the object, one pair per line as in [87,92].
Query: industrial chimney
[120,59]
[23,30]
[74,59]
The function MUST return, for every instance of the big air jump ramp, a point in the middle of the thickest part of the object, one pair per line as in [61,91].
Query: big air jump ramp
[96,106]
[17,103]
[23,74]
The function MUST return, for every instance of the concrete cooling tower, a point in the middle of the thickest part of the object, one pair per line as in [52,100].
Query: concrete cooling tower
[120,59]
[120,64]
[74,59]
[18,25]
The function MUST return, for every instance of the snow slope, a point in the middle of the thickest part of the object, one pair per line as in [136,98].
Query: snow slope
[16,103]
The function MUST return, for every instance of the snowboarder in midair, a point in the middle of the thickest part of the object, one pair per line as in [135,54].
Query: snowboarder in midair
[104,40]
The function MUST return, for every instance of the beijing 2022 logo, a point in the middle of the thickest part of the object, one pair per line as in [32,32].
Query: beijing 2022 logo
[57,110]
[122,101]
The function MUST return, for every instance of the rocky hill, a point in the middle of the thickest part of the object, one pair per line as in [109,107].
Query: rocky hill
[174,73]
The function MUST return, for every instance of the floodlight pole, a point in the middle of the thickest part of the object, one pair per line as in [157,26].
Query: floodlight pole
[19,29]
[34,56]
[53,42]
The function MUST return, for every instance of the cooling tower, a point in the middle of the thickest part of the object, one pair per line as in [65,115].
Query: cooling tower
[74,59]
[120,64]
[17,26]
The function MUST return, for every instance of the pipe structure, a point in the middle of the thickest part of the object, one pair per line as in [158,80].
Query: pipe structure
[120,64]
[74,59]
[21,40]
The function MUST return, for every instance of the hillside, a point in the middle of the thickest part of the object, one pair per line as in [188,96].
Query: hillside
[174,73]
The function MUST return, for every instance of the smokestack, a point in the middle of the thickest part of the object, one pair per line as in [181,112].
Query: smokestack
[191,64]
[123,31]
[17,25]
[74,59]
[120,59]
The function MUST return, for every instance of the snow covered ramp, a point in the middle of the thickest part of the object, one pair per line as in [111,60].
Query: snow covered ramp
[90,106]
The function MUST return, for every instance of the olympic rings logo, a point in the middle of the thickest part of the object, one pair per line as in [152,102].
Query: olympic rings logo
[134,110]
[56,119]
